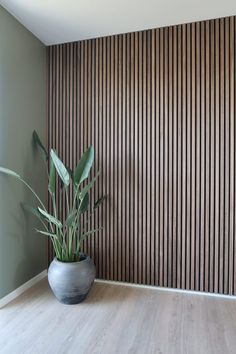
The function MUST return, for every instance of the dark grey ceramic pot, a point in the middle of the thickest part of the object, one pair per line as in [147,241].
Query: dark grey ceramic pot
[71,282]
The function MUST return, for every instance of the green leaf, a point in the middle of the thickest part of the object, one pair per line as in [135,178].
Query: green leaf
[37,141]
[71,218]
[99,201]
[52,179]
[50,218]
[46,233]
[70,174]
[61,169]
[84,204]
[88,187]
[86,234]
[9,172]
[32,210]
[84,166]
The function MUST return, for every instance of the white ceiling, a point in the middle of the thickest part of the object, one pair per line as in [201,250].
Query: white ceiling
[60,21]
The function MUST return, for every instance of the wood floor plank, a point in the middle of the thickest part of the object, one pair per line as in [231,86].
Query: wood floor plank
[118,319]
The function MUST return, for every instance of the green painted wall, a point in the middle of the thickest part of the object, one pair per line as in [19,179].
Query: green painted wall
[22,109]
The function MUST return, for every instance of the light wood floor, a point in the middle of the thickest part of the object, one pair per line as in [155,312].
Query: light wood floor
[118,319]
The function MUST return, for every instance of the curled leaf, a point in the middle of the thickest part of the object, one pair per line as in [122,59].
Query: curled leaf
[45,233]
[9,172]
[50,218]
[39,143]
[99,201]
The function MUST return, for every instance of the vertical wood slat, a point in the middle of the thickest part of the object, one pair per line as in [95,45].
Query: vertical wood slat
[159,108]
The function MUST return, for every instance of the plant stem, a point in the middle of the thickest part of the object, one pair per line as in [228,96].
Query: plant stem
[67,201]
[36,196]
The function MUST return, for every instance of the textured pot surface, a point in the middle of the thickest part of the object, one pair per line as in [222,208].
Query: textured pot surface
[71,282]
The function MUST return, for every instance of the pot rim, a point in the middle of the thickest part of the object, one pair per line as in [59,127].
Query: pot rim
[84,260]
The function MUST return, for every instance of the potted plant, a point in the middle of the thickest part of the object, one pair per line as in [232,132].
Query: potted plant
[71,273]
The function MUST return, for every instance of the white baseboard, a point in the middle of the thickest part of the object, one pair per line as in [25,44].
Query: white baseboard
[17,292]
[159,288]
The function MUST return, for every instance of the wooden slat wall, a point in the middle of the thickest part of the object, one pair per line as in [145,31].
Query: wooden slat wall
[159,108]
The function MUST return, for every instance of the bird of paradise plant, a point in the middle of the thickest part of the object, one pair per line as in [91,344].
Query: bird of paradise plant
[66,236]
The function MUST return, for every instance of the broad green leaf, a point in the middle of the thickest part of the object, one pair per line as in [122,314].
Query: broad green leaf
[61,169]
[70,174]
[42,149]
[84,166]
[88,233]
[88,187]
[84,204]
[32,210]
[50,218]
[99,201]
[71,218]
[46,233]
[52,179]
[9,172]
